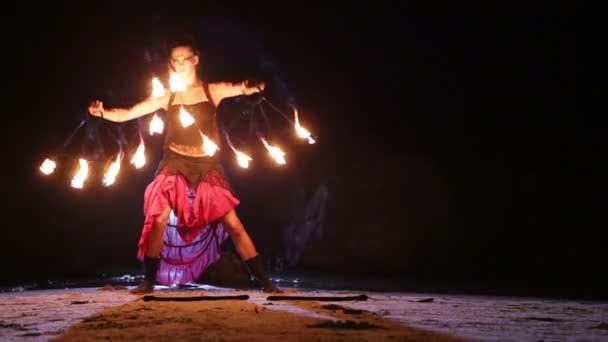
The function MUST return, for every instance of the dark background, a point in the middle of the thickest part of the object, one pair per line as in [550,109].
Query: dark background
[449,138]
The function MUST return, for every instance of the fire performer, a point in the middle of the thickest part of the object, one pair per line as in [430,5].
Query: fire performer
[189,207]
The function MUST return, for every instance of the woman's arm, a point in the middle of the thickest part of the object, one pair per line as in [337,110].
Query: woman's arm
[221,90]
[145,107]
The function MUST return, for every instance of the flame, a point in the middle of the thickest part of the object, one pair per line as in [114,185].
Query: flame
[185,117]
[209,146]
[110,176]
[139,158]
[81,174]
[156,125]
[275,152]
[157,88]
[48,166]
[241,158]
[176,83]
[301,131]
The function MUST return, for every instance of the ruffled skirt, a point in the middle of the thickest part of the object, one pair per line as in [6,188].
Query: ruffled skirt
[194,232]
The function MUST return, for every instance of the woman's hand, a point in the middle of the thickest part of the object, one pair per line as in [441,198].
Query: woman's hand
[251,88]
[96,108]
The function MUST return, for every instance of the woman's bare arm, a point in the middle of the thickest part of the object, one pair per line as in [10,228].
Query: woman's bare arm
[221,90]
[145,107]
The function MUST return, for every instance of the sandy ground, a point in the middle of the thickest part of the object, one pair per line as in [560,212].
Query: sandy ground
[114,314]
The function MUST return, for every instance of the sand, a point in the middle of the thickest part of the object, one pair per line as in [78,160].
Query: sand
[114,314]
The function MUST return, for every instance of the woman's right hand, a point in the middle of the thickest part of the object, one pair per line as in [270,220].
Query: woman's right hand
[96,108]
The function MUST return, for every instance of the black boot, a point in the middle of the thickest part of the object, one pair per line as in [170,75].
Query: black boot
[256,267]
[151,266]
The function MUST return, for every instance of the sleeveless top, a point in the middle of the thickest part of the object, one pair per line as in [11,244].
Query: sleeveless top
[194,168]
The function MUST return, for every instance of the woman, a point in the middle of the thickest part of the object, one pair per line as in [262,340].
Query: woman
[190,194]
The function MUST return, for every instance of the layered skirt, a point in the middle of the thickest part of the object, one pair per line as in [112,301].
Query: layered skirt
[194,231]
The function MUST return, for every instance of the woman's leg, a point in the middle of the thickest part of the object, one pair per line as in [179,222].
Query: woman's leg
[243,243]
[152,256]
[155,239]
[246,249]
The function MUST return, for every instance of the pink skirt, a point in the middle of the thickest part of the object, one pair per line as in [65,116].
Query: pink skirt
[194,232]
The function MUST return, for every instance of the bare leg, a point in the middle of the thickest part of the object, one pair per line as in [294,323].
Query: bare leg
[155,239]
[152,257]
[243,243]
[246,249]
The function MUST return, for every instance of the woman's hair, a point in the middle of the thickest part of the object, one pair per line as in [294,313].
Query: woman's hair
[182,40]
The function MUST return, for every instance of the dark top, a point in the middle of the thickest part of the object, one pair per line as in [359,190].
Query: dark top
[204,116]
[195,169]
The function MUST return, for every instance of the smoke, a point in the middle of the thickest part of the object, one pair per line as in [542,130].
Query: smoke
[121,138]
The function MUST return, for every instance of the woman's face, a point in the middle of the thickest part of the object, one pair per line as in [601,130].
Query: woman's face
[183,60]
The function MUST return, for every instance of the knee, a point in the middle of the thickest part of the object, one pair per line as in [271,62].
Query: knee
[235,229]
[161,219]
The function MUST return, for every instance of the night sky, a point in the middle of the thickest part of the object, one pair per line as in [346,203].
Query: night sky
[449,138]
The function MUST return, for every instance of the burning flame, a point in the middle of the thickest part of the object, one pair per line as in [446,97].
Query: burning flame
[301,131]
[157,88]
[48,166]
[139,158]
[110,176]
[275,152]
[185,117]
[209,146]
[81,174]
[176,83]
[156,125]
[241,158]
